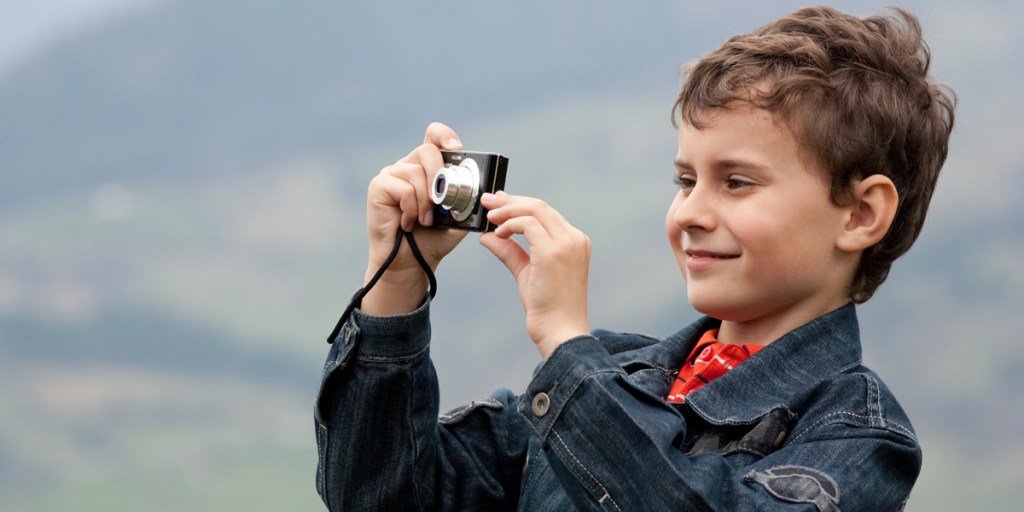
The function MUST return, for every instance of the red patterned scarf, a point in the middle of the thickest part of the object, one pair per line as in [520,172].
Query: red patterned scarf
[708,361]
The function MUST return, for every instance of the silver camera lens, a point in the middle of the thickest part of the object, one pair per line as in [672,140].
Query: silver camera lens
[456,188]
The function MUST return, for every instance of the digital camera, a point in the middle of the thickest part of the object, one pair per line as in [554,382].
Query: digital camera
[457,187]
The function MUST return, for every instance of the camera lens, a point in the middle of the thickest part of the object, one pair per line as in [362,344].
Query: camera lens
[456,188]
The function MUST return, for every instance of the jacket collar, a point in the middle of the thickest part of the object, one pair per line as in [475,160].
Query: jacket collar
[778,374]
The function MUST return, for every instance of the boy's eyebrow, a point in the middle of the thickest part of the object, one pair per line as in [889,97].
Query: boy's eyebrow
[724,164]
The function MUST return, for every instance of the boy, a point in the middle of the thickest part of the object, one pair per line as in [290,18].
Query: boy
[808,152]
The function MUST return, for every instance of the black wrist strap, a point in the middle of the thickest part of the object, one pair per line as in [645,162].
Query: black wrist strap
[357,299]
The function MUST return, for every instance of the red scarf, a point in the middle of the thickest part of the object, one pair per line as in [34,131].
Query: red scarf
[708,361]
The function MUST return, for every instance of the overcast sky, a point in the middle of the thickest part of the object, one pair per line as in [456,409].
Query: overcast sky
[28,25]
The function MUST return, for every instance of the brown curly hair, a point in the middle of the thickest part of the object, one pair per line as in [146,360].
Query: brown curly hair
[857,95]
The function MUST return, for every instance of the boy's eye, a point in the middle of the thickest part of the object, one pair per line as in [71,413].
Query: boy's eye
[733,182]
[684,181]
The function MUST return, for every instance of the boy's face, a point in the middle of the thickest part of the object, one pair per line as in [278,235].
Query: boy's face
[753,228]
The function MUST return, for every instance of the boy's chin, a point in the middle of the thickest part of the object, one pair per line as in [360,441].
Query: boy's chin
[718,307]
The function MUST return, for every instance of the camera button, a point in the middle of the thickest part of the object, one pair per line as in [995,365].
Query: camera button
[541,404]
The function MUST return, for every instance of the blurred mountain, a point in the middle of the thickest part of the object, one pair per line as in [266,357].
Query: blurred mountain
[181,222]
[186,88]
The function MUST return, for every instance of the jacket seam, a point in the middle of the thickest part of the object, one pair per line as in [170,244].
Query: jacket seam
[876,392]
[391,359]
[587,471]
[829,419]
[416,455]
[538,423]
[322,437]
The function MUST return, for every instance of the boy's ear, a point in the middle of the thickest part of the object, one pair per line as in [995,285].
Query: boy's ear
[871,213]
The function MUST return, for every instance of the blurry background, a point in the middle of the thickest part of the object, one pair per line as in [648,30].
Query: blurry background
[182,191]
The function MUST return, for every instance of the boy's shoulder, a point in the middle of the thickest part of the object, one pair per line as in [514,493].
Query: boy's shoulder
[857,398]
[823,378]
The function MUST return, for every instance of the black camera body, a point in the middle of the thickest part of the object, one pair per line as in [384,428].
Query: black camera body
[457,187]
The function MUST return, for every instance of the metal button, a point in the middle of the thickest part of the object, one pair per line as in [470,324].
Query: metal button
[541,404]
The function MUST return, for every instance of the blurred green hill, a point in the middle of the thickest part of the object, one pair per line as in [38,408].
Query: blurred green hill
[181,222]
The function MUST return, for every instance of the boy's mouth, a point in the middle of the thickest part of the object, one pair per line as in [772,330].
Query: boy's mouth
[697,261]
[709,254]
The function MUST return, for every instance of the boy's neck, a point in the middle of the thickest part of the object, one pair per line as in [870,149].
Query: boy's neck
[767,328]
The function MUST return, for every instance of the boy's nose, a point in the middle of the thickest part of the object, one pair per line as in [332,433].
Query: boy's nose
[695,212]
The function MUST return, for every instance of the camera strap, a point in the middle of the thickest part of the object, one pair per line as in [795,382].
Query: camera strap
[357,299]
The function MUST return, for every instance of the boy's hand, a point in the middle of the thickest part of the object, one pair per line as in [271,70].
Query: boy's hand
[552,276]
[399,197]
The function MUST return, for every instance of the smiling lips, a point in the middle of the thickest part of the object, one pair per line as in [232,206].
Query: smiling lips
[703,260]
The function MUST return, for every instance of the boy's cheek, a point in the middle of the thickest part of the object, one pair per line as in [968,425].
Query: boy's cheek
[680,262]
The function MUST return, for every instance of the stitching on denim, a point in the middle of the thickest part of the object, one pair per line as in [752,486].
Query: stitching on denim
[587,471]
[415,447]
[878,420]
[460,413]
[571,392]
[553,412]
[396,359]
[321,437]
[320,475]
[828,419]
[874,389]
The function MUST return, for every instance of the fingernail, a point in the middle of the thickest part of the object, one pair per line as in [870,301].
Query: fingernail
[428,218]
[453,142]
[487,196]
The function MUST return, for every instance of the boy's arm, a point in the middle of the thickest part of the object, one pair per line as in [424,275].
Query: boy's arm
[380,444]
[614,446]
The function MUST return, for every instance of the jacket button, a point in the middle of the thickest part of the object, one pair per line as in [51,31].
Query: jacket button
[541,404]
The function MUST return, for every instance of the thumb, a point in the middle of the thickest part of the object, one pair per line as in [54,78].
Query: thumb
[508,251]
[442,136]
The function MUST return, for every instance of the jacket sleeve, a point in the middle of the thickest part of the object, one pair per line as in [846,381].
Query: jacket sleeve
[614,446]
[380,443]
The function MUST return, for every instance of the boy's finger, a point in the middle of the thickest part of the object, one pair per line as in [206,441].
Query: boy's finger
[428,161]
[531,229]
[417,177]
[504,208]
[440,135]
[508,251]
[401,194]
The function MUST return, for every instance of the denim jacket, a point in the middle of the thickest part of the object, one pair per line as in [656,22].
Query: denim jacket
[801,425]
